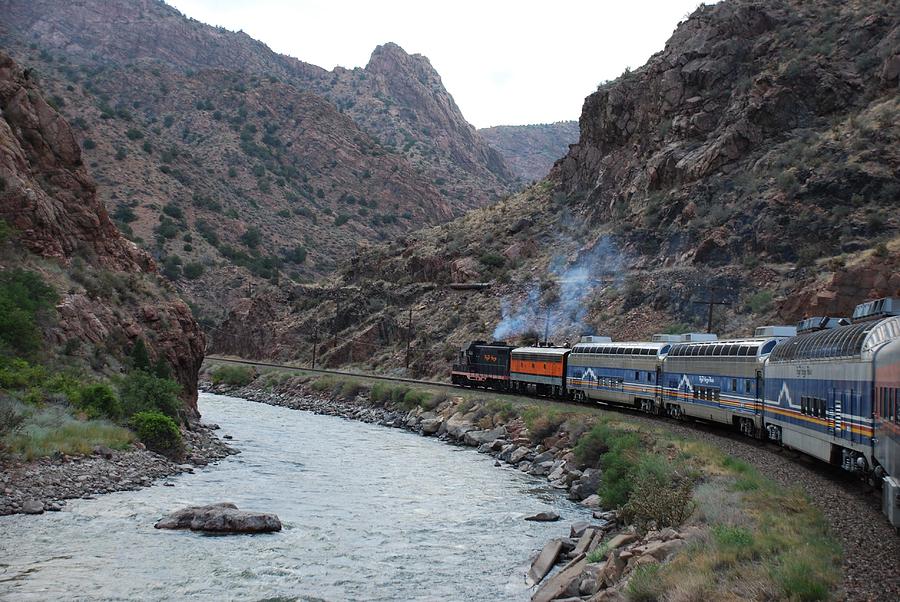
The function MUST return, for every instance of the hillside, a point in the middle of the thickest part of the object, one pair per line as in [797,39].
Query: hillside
[104,294]
[238,167]
[753,159]
[531,150]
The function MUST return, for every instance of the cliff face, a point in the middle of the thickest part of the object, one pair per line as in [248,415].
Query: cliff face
[110,291]
[752,132]
[754,159]
[531,150]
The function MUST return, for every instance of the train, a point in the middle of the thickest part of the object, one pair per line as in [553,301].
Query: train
[827,387]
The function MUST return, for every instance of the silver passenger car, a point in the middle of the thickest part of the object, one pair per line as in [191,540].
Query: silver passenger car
[626,373]
[719,381]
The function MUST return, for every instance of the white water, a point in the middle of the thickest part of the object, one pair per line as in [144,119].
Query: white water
[369,513]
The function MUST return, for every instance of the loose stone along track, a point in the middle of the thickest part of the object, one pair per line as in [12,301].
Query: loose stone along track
[871,548]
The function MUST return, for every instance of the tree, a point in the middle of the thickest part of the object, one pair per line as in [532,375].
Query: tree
[140,359]
[252,237]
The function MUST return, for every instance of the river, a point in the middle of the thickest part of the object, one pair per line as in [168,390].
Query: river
[369,513]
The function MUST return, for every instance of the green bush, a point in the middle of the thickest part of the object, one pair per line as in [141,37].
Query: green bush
[799,580]
[98,400]
[492,260]
[236,376]
[645,585]
[141,391]
[193,270]
[158,432]
[350,388]
[618,453]
[657,499]
[759,302]
[23,297]
[16,374]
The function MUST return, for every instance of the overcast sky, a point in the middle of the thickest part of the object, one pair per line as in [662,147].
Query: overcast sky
[505,62]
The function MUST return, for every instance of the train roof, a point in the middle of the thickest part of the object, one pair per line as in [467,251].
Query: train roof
[727,348]
[542,350]
[844,341]
[623,348]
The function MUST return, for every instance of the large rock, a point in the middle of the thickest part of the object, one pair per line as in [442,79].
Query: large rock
[32,507]
[431,425]
[543,516]
[459,424]
[220,518]
[587,485]
[476,438]
[544,562]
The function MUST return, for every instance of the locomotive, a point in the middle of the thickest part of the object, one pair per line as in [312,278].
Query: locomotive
[829,388]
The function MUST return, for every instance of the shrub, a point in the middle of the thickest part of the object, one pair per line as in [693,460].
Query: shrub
[350,388]
[238,376]
[416,397]
[11,418]
[252,237]
[341,219]
[88,144]
[193,270]
[759,302]
[657,499]
[492,260]
[158,432]
[18,374]
[618,453]
[98,400]
[799,580]
[134,134]
[23,295]
[141,391]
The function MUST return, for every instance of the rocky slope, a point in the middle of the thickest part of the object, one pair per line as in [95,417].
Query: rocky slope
[531,150]
[753,159]
[236,166]
[111,294]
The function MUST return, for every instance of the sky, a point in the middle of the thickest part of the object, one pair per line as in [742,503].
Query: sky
[504,62]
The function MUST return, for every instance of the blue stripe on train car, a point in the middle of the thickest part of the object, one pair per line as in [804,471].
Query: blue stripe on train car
[848,406]
[592,378]
[733,394]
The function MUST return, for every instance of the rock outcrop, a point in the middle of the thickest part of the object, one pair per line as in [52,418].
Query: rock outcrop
[111,293]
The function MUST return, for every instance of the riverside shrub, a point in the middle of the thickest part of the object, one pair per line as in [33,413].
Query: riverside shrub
[158,432]
[237,376]
[141,391]
[98,400]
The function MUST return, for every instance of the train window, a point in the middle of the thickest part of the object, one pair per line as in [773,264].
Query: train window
[718,350]
[747,385]
[768,347]
[744,350]
[649,377]
[734,384]
[821,408]
[637,376]
[803,405]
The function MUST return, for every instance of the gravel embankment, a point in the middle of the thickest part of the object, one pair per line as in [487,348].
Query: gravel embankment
[44,484]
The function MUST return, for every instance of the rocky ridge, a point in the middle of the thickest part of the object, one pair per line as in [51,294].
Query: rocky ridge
[531,150]
[111,291]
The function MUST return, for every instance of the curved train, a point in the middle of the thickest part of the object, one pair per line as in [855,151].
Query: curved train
[829,388]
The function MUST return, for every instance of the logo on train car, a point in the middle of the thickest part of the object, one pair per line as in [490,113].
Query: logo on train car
[804,371]
[784,397]
[705,380]
[490,357]
[685,384]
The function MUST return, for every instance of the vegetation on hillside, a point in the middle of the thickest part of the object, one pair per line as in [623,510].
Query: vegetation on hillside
[48,408]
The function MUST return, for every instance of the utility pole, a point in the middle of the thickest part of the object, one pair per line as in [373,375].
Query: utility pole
[315,345]
[711,302]
[547,328]
[408,337]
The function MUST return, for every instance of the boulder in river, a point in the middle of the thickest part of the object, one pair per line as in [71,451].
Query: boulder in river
[220,518]
[543,516]
[32,507]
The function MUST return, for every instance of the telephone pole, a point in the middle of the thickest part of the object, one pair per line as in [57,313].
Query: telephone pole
[408,337]
[711,302]
[315,345]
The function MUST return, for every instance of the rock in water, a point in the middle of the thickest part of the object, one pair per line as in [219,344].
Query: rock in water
[543,516]
[220,518]
[32,507]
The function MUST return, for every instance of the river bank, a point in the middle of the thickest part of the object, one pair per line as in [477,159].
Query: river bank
[46,483]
